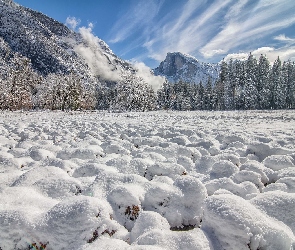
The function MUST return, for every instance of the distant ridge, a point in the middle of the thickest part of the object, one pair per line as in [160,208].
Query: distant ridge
[182,67]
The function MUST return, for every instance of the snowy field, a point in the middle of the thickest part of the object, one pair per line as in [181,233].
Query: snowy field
[158,180]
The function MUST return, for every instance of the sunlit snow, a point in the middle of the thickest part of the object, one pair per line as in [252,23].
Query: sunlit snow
[154,180]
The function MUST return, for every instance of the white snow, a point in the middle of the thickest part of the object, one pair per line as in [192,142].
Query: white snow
[155,180]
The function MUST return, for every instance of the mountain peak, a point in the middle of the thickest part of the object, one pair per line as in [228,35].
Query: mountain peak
[178,66]
[180,54]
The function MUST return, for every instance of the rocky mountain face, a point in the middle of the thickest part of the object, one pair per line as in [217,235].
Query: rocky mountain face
[180,67]
[54,48]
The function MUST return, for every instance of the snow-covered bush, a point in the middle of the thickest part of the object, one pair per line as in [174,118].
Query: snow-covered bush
[181,203]
[236,224]
[126,202]
[278,162]
[277,204]
[222,169]
[77,180]
[76,221]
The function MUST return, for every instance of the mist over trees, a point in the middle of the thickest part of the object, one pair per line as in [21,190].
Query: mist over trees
[242,85]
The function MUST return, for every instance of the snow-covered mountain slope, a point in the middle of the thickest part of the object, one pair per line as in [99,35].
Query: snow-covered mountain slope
[54,48]
[180,67]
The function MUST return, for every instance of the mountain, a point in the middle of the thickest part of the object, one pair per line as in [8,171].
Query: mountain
[53,48]
[181,67]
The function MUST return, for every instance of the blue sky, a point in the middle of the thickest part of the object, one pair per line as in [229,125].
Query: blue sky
[145,30]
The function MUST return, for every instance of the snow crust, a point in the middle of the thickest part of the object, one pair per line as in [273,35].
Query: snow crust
[155,180]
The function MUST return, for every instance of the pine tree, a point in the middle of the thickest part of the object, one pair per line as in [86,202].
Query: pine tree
[194,95]
[229,87]
[251,92]
[262,85]
[219,87]
[104,96]
[163,96]
[182,96]
[201,96]
[276,85]
[240,77]
[208,95]
[288,79]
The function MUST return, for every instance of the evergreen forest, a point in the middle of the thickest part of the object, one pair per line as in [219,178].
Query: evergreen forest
[242,85]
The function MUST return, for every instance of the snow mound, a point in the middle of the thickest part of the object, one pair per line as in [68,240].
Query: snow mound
[153,180]
[279,205]
[245,175]
[263,150]
[36,174]
[146,222]
[126,201]
[223,169]
[289,182]
[233,223]
[259,168]
[92,215]
[245,189]
[195,239]
[278,162]
[181,204]
[171,170]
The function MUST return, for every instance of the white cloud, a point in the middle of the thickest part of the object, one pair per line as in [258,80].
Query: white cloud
[185,31]
[285,54]
[145,72]
[236,56]
[137,17]
[95,56]
[180,30]
[266,17]
[283,38]
[236,9]
[206,28]
[72,22]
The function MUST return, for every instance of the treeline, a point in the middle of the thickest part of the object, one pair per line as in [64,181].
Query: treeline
[21,88]
[241,85]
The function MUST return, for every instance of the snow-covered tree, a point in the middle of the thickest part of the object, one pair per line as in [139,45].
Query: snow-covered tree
[276,85]
[240,81]
[263,82]
[65,92]
[104,97]
[288,80]
[133,94]
[208,95]
[164,96]
[230,87]
[219,87]
[19,84]
[251,92]
[194,97]
[201,96]
[182,99]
